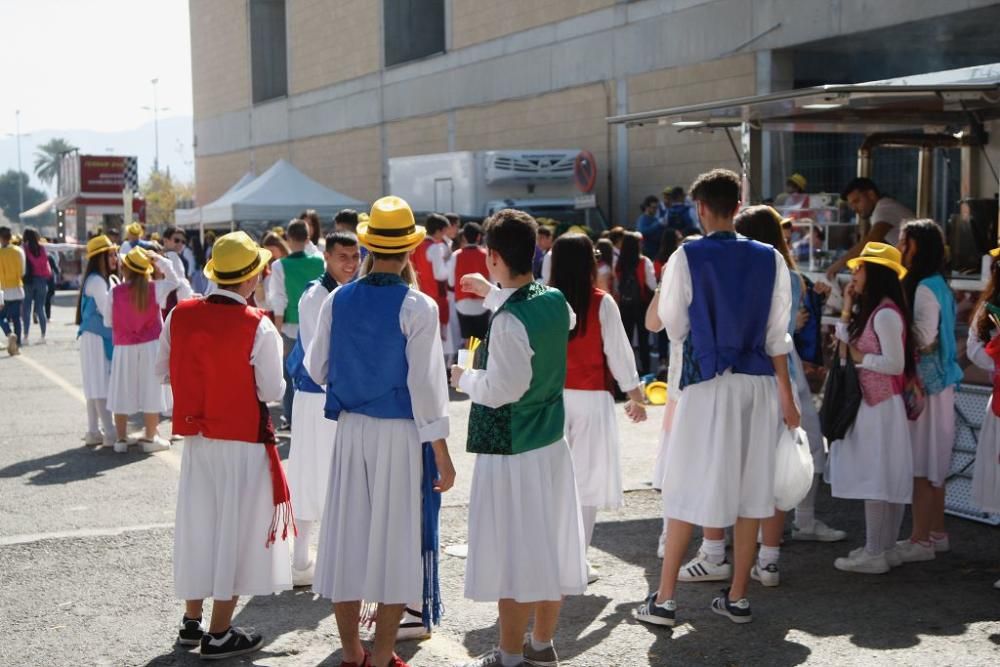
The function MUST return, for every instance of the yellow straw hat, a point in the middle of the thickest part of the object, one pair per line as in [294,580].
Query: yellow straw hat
[995,253]
[879,253]
[138,260]
[656,393]
[391,227]
[799,181]
[235,258]
[135,229]
[99,244]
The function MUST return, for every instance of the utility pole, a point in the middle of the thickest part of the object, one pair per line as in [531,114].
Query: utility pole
[20,180]
[156,109]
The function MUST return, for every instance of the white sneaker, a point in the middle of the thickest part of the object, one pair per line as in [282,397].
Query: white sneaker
[303,577]
[700,568]
[863,563]
[93,439]
[819,532]
[41,341]
[109,441]
[914,552]
[411,628]
[154,444]
[767,575]
[661,546]
[592,575]
[941,544]
[121,446]
[12,344]
[893,558]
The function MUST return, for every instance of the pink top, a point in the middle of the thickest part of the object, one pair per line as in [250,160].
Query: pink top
[129,326]
[878,387]
[39,264]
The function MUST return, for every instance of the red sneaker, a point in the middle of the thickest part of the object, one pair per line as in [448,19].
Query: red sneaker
[364,662]
[397,662]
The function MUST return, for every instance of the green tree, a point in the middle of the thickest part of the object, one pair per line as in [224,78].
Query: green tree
[47,159]
[162,194]
[8,193]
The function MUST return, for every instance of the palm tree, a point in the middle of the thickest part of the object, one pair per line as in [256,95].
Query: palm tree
[47,159]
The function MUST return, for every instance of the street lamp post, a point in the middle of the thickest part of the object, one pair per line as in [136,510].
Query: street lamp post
[20,181]
[156,109]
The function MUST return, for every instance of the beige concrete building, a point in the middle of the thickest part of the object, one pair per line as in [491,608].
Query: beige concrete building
[339,86]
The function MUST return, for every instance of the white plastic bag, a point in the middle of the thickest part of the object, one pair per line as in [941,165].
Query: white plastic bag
[793,469]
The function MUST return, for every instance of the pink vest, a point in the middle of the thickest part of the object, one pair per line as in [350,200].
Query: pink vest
[129,326]
[39,263]
[878,387]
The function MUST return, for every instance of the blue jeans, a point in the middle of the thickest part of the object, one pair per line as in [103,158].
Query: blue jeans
[10,315]
[35,291]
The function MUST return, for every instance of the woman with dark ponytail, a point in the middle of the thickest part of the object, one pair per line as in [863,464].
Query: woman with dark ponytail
[933,308]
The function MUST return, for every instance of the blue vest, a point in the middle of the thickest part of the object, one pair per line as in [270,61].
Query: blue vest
[939,368]
[732,280]
[91,320]
[368,366]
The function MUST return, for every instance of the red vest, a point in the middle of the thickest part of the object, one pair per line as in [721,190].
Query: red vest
[469,260]
[426,282]
[215,392]
[586,367]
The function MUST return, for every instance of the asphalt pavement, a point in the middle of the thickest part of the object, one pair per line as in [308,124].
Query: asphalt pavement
[86,542]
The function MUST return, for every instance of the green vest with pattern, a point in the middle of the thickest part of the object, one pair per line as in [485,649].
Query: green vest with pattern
[300,269]
[537,418]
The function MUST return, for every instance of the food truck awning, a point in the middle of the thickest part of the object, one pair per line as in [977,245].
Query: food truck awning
[950,100]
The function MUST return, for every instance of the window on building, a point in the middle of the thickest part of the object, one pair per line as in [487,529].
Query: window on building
[413,29]
[268,50]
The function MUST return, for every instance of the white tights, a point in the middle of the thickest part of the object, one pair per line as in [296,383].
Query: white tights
[589,514]
[300,558]
[97,410]
[882,523]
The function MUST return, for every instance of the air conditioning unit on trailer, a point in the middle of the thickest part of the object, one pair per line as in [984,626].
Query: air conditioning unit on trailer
[529,166]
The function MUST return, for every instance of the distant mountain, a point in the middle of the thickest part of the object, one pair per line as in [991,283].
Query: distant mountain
[176,135]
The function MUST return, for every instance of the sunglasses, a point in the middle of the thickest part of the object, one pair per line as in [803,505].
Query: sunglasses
[180,239]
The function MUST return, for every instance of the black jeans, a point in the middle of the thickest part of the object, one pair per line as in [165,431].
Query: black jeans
[634,320]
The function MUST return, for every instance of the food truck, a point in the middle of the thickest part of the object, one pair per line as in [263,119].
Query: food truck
[951,121]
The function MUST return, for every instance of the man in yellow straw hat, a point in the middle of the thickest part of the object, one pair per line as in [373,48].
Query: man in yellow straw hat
[377,348]
[12,266]
[223,361]
[133,239]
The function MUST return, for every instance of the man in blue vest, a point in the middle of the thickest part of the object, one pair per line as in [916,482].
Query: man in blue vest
[727,299]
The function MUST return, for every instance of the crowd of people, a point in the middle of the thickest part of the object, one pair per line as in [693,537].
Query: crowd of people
[358,334]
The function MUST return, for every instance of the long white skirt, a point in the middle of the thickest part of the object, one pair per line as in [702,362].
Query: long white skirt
[933,437]
[720,458]
[224,511]
[810,417]
[986,473]
[526,539]
[134,387]
[594,440]
[369,546]
[96,367]
[874,461]
[660,465]
[310,456]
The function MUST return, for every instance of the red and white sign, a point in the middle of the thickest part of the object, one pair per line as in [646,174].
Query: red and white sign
[102,173]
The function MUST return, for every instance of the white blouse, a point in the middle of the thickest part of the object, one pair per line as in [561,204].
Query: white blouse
[926,317]
[975,349]
[163,287]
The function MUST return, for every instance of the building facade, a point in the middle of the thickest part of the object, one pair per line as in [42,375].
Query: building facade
[338,87]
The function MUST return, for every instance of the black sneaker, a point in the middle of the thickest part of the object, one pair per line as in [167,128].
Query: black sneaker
[656,614]
[738,612]
[191,632]
[234,641]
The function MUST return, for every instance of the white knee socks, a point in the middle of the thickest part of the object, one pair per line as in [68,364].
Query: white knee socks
[300,560]
[882,522]
[92,426]
[805,513]
[589,515]
[107,420]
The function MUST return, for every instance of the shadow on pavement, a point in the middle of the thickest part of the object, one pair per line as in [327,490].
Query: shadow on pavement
[71,465]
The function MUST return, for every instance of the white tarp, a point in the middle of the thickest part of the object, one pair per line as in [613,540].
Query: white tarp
[191,217]
[277,195]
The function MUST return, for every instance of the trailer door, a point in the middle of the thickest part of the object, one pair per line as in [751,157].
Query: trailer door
[444,195]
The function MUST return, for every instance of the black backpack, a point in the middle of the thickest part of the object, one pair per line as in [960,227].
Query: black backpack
[629,291]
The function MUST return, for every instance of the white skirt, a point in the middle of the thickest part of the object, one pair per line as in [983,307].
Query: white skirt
[720,458]
[874,461]
[224,511]
[369,546]
[810,417]
[933,437]
[986,473]
[95,366]
[310,455]
[594,440]
[660,465]
[134,387]
[526,540]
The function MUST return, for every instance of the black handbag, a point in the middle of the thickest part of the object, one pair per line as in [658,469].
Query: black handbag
[841,399]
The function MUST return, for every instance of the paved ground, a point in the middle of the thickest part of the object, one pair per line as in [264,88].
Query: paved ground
[85,566]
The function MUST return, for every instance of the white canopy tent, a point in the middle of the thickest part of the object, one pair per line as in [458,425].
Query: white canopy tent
[277,195]
[191,217]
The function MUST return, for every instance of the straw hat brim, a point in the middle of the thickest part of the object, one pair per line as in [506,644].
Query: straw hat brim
[94,253]
[132,267]
[995,253]
[389,244]
[656,393]
[262,253]
[853,264]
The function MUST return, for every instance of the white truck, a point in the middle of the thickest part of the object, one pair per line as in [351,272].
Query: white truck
[476,184]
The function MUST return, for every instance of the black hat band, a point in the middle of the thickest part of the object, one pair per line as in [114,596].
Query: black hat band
[389,233]
[246,270]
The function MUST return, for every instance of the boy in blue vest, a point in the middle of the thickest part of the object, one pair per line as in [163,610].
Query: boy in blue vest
[526,539]
[377,349]
[727,299]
